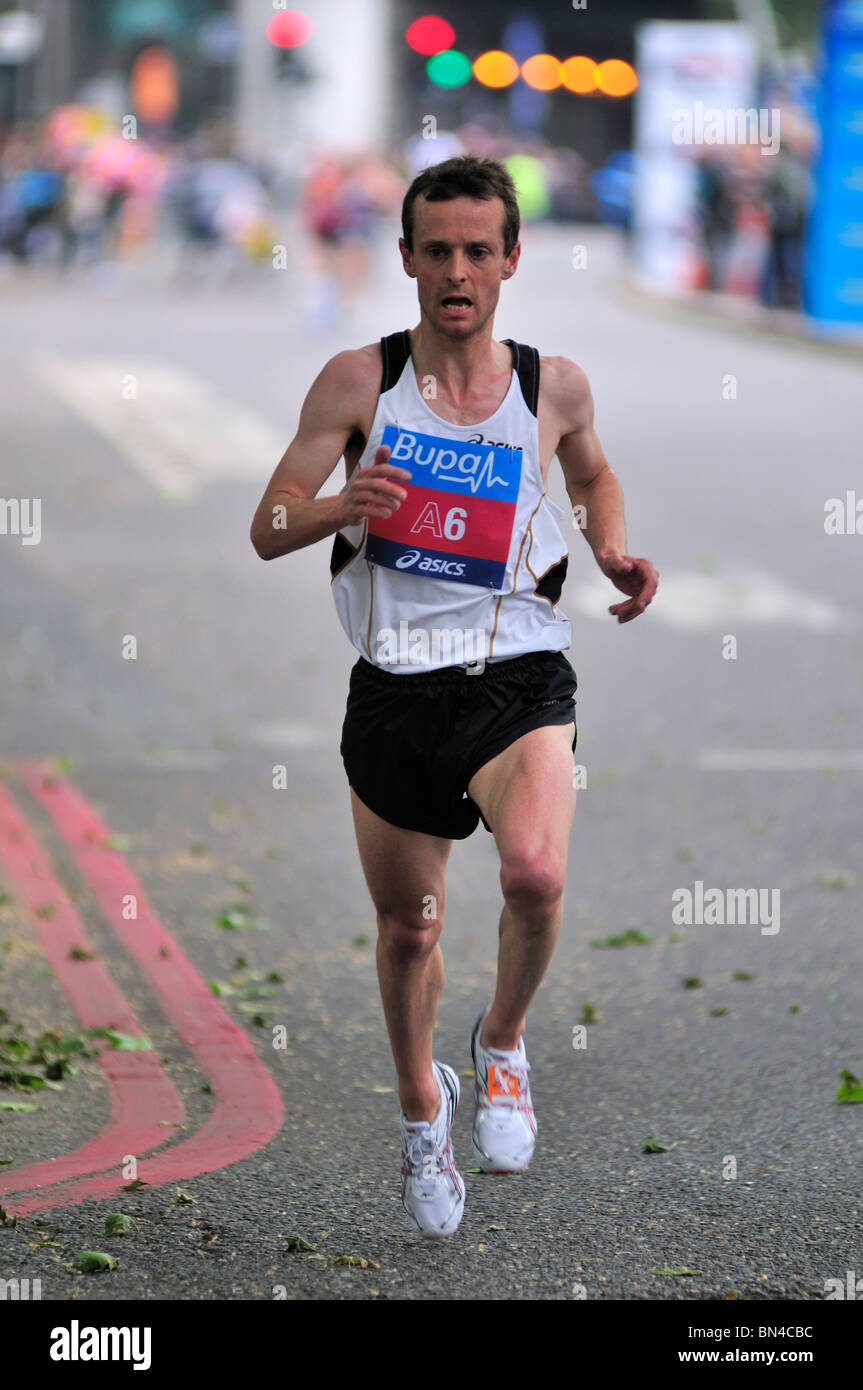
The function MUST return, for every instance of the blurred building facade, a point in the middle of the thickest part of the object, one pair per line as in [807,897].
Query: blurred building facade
[603,29]
[89,47]
[356,82]
[334,90]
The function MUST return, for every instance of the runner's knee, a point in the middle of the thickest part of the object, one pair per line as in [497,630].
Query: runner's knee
[532,881]
[409,935]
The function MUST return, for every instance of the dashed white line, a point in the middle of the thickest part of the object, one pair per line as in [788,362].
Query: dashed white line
[176,428]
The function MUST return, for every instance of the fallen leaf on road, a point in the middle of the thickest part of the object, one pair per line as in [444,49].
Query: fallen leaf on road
[851,1090]
[627,938]
[297,1243]
[123,1042]
[834,881]
[94,1262]
[236,918]
[654,1146]
[116,1224]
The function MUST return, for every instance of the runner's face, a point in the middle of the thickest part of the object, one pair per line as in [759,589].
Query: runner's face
[458,255]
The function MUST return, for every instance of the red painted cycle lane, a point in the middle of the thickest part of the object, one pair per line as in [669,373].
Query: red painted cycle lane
[247,1109]
[140,1093]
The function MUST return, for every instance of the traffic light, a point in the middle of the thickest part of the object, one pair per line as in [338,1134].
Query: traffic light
[430,35]
[449,69]
[496,69]
[433,37]
[289,29]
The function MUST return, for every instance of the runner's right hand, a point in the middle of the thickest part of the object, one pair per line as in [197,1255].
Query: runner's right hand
[374,491]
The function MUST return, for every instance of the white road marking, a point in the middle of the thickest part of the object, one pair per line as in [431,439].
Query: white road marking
[780,759]
[179,431]
[697,602]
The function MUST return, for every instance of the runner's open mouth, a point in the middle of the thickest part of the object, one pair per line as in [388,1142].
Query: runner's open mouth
[457,301]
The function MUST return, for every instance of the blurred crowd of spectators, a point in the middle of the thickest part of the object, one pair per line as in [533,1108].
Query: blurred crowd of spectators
[76,192]
[752,213]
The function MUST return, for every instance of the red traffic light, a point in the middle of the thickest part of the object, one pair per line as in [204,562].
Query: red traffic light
[289,29]
[430,35]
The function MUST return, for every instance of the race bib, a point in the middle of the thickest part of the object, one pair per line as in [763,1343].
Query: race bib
[460,510]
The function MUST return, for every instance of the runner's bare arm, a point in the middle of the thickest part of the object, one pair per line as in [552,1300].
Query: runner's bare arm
[290,515]
[593,486]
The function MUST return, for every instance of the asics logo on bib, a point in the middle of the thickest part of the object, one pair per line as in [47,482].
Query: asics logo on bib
[457,521]
[427,565]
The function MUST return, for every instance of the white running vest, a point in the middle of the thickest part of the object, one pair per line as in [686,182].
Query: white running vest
[471,566]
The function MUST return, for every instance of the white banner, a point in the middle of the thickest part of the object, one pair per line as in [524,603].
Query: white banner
[693,80]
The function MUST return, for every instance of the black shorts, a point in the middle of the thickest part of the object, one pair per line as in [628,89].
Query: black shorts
[411,744]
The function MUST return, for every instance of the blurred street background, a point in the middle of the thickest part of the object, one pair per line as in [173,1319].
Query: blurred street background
[199,205]
[179,139]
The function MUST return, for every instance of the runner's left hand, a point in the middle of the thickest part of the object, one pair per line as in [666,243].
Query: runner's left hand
[637,577]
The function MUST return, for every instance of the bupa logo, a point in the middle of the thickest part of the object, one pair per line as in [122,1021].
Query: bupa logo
[405,561]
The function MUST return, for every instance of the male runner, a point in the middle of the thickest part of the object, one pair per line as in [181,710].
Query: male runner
[444,533]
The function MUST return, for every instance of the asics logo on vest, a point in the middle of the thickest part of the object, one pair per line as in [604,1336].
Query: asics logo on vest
[495,443]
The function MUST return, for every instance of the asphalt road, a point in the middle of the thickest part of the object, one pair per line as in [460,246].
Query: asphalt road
[738,773]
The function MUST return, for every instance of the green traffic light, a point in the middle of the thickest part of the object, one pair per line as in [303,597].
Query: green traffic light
[449,69]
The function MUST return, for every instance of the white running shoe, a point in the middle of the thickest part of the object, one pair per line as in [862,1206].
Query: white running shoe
[504,1127]
[432,1188]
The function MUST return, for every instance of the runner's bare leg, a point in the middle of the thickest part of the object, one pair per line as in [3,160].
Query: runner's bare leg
[403,869]
[526,794]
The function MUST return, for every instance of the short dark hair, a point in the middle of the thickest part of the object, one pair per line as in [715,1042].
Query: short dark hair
[465,176]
